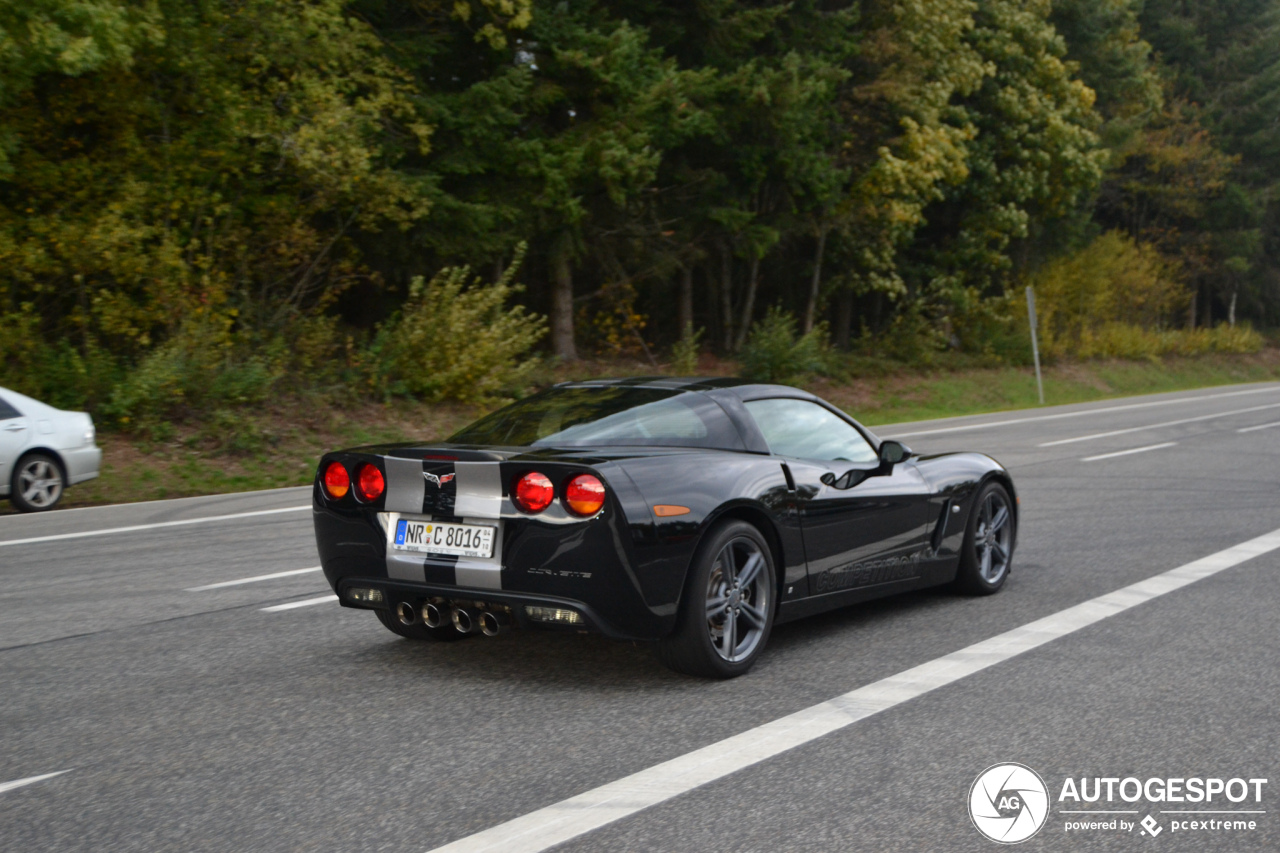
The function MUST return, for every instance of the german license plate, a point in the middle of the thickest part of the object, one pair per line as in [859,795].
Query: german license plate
[438,537]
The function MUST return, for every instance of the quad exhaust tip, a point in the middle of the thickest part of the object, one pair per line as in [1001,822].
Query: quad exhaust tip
[434,616]
[492,624]
[406,613]
[465,619]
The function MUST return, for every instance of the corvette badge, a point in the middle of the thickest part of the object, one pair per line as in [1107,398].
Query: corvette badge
[439,481]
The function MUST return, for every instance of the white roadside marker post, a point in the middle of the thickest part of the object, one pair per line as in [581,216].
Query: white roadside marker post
[1035,346]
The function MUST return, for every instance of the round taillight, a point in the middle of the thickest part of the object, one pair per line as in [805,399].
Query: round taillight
[534,492]
[369,483]
[584,495]
[337,482]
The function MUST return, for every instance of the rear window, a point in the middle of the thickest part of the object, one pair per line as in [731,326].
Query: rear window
[7,411]
[606,417]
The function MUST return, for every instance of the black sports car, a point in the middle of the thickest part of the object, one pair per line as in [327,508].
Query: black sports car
[697,513]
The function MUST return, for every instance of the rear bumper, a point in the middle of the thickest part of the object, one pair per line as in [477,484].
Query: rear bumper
[83,463]
[581,568]
[395,592]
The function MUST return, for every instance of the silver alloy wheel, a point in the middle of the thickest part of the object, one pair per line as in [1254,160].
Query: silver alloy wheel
[992,537]
[40,482]
[737,600]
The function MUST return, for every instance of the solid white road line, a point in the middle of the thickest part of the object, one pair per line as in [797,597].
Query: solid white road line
[1127,452]
[1157,426]
[255,579]
[1259,426]
[18,783]
[1060,415]
[158,524]
[306,602]
[593,809]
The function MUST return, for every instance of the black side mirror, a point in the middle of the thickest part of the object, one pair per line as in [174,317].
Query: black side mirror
[892,452]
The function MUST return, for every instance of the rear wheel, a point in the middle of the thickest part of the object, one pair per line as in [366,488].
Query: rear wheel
[728,607]
[987,553]
[417,630]
[37,483]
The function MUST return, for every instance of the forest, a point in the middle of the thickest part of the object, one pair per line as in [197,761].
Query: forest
[203,202]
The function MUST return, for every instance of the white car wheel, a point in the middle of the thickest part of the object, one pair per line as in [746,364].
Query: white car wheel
[37,483]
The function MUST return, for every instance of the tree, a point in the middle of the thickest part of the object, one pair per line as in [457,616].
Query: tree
[212,179]
[1034,156]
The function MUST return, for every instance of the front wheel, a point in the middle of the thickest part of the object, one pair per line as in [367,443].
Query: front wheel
[728,606]
[37,483]
[987,553]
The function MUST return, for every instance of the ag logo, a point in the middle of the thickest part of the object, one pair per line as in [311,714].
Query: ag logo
[1008,803]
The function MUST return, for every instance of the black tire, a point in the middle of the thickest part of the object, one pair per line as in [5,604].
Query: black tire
[419,631]
[739,595]
[986,557]
[37,484]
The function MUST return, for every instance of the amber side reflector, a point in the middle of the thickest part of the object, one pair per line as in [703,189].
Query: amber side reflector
[668,510]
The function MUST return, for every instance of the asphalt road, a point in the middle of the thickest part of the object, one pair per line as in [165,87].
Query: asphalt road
[190,718]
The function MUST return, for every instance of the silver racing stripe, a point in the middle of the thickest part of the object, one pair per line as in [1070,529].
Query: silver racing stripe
[405,486]
[479,490]
[405,490]
[479,501]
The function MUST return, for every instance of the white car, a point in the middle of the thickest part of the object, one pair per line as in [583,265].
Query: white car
[42,451]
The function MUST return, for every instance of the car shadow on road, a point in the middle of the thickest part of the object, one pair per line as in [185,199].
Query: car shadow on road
[554,659]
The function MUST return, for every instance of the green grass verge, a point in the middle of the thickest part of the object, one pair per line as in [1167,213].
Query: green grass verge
[908,396]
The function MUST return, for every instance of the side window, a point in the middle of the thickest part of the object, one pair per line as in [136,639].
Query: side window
[7,411]
[808,431]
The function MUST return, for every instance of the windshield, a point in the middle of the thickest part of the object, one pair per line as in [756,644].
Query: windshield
[606,416]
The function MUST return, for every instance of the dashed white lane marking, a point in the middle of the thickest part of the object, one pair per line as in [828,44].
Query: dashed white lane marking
[1060,415]
[1158,426]
[18,783]
[254,579]
[593,809]
[135,527]
[306,602]
[1259,426]
[1127,452]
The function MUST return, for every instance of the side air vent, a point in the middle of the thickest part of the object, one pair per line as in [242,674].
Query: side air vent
[940,529]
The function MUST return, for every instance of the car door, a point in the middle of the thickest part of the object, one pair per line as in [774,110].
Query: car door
[15,434]
[863,523]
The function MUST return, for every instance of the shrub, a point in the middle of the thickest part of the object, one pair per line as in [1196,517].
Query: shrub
[452,341]
[684,355]
[773,353]
[1106,298]
[59,374]
[201,369]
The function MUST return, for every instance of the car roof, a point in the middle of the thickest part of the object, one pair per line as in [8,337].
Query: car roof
[29,406]
[744,389]
[716,386]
